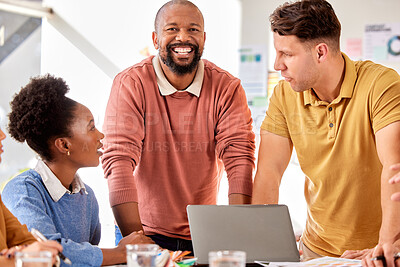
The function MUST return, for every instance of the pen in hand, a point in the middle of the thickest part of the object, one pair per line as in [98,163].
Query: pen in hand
[382,258]
[40,237]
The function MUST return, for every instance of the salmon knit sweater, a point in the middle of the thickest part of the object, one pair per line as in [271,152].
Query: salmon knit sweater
[166,152]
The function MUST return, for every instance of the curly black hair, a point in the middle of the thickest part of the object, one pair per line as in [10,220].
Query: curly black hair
[40,113]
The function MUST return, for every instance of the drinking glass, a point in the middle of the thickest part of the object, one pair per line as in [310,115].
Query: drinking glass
[227,258]
[142,255]
[33,259]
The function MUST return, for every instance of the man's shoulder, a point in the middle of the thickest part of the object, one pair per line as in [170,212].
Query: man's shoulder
[141,68]
[369,69]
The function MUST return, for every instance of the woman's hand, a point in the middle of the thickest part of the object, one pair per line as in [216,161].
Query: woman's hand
[52,246]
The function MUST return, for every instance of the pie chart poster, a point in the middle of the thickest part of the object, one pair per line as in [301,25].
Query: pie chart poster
[382,42]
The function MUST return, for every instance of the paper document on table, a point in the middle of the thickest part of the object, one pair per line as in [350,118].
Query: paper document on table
[324,261]
[332,261]
[278,264]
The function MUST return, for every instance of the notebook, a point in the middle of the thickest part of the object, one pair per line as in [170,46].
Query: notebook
[264,232]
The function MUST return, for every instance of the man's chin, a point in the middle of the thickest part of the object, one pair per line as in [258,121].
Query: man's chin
[180,65]
[183,61]
[298,89]
[294,87]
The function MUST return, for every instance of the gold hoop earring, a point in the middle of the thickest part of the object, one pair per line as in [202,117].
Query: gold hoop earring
[68,153]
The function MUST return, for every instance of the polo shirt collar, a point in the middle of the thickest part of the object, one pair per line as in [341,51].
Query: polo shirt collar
[167,89]
[346,90]
[54,186]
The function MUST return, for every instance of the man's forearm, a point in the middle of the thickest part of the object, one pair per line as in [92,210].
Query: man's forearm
[239,199]
[273,159]
[127,217]
[390,231]
[266,188]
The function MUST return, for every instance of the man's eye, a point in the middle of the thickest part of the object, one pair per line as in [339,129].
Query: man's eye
[171,29]
[193,30]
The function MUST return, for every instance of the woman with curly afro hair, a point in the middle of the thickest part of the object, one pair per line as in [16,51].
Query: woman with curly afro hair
[51,197]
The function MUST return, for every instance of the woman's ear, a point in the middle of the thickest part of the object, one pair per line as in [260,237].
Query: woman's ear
[62,145]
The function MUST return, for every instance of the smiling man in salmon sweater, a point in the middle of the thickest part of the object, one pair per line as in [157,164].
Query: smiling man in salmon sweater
[173,123]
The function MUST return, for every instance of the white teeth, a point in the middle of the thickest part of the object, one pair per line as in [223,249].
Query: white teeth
[182,50]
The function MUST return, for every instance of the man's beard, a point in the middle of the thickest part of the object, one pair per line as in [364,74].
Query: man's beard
[181,69]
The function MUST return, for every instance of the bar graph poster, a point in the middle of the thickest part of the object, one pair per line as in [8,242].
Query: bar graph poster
[253,70]
[382,42]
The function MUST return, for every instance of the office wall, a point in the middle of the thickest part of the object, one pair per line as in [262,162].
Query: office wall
[15,72]
[353,15]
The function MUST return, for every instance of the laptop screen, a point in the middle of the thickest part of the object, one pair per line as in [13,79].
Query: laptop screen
[264,232]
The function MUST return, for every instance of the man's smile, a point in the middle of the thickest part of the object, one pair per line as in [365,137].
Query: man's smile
[182,50]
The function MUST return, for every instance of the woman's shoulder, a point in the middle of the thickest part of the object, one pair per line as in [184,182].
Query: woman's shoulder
[28,178]
[25,185]
[89,190]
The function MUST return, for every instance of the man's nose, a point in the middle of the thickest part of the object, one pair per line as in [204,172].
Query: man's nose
[278,64]
[183,36]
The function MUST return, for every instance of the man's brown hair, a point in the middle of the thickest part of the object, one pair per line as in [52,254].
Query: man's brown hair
[309,20]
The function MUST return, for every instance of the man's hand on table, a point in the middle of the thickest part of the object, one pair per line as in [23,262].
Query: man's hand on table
[355,254]
[381,255]
[135,238]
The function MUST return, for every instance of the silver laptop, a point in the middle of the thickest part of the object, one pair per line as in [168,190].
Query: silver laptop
[264,232]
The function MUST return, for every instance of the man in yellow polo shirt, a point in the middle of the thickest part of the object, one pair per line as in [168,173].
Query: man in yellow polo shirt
[343,119]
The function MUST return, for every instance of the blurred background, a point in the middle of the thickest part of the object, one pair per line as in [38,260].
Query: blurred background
[87,42]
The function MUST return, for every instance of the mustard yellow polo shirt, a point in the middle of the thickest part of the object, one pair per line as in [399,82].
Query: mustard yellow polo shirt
[335,145]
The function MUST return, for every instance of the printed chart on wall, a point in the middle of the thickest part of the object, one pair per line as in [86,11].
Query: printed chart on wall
[253,74]
[382,42]
[253,70]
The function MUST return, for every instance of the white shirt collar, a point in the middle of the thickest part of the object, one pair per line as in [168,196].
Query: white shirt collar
[54,186]
[167,89]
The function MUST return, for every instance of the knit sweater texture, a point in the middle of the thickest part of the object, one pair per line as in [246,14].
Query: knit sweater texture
[73,220]
[168,151]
